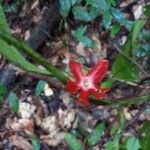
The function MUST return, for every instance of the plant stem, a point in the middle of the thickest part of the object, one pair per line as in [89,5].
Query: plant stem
[37,57]
[122,102]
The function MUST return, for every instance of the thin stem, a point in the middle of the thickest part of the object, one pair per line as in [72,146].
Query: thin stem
[37,57]
[121,102]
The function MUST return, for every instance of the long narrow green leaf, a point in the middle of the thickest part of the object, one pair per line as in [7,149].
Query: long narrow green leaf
[3,22]
[20,45]
[14,56]
[138,24]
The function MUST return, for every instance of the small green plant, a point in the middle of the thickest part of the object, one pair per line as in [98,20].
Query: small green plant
[13,102]
[39,87]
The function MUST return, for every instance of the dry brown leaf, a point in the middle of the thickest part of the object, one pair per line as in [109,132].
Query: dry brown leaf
[26,110]
[125,3]
[57,138]
[137,11]
[21,143]
[35,4]
[24,124]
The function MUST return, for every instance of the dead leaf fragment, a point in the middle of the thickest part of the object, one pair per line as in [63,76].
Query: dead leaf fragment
[138,11]
[53,141]
[66,117]
[35,4]
[21,143]
[50,125]
[24,124]
[26,110]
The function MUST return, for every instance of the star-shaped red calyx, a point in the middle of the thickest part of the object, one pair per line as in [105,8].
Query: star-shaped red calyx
[87,84]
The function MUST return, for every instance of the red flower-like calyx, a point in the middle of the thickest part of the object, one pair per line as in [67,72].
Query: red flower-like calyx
[87,84]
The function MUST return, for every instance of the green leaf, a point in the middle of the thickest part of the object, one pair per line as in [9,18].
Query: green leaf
[22,46]
[133,144]
[112,145]
[120,18]
[94,13]
[83,14]
[13,102]
[145,129]
[112,2]
[3,91]
[1,99]
[114,128]
[123,68]
[74,143]
[18,59]
[9,8]
[65,6]
[102,5]
[79,32]
[107,18]
[86,41]
[115,29]
[145,141]
[107,84]
[147,10]
[118,15]
[129,24]
[3,22]
[138,25]
[35,143]
[73,2]
[122,121]
[96,135]
[39,87]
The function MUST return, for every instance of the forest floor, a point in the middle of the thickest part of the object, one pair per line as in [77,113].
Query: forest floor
[55,112]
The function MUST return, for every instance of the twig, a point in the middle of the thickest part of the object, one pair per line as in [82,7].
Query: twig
[135,117]
[54,83]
